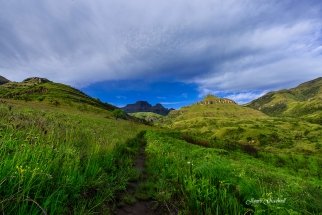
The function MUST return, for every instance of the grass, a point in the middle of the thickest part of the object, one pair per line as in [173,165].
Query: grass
[51,93]
[197,180]
[63,162]
[63,152]
[303,101]
[240,158]
[149,117]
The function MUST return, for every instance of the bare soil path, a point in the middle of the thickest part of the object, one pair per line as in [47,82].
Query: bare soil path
[139,207]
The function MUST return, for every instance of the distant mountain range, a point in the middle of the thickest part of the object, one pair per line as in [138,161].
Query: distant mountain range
[144,106]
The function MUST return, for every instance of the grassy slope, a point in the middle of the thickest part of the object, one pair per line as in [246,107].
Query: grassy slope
[49,92]
[303,100]
[198,180]
[65,158]
[209,119]
[64,152]
[258,156]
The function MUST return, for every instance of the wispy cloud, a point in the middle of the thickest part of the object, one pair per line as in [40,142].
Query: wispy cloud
[244,97]
[240,97]
[172,103]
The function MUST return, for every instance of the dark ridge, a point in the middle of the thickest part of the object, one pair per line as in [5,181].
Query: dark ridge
[3,80]
[144,106]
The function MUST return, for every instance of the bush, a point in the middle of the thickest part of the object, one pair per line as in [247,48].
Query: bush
[119,114]
[41,98]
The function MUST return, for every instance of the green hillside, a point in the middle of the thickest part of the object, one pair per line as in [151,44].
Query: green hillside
[62,152]
[209,114]
[231,123]
[213,107]
[304,100]
[43,90]
[242,152]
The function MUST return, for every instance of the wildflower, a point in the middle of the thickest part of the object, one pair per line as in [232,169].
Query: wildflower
[20,170]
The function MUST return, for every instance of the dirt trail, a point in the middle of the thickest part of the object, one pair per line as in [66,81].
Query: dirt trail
[140,207]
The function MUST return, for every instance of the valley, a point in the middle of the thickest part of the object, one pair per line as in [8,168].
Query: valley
[64,152]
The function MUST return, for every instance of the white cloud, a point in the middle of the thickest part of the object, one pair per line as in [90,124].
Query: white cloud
[245,97]
[239,97]
[226,45]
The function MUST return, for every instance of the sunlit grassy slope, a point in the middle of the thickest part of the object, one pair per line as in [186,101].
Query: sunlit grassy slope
[303,101]
[226,179]
[238,154]
[61,152]
[231,123]
[204,118]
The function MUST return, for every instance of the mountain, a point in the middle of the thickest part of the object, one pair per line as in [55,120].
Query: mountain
[3,80]
[304,100]
[143,106]
[46,91]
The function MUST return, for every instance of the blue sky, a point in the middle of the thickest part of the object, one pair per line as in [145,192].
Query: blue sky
[122,51]
[120,93]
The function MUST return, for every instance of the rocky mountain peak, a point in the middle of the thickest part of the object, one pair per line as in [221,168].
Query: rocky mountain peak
[36,80]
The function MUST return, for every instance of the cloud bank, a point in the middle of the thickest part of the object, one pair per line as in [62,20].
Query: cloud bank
[232,45]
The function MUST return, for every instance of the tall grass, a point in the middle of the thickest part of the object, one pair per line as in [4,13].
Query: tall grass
[56,163]
[197,180]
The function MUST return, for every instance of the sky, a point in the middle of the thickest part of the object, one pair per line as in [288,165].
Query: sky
[171,52]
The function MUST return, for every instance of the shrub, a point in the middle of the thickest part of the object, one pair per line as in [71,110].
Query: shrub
[119,114]
[41,98]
